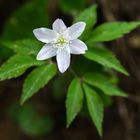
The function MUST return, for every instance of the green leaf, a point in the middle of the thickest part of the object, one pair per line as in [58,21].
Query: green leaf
[105,57]
[4,53]
[25,46]
[95,107]
[16,66]
[37,79]
[87,66]
[111,31]
[107,100]
[89,16]
[74,100]
[102,82]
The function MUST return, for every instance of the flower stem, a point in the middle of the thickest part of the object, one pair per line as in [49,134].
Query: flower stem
[75,74]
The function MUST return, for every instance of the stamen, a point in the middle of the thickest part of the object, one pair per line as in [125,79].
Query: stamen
[61,42]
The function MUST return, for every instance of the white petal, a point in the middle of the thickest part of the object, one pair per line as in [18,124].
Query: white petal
[76,30]
[59,26]
[45,35]
[77,47]
[46,52]
[63,60]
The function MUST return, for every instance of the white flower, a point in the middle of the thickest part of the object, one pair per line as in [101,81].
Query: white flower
[61,42]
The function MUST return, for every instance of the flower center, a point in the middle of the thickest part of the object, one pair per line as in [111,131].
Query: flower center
[61,42]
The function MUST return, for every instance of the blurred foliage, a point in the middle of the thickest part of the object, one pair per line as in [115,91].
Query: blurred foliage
[72,6]
[30,121]
[25,19]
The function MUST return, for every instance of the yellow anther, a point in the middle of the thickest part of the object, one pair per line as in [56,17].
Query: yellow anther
[61,41]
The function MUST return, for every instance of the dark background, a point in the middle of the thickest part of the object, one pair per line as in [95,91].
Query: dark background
[122,118]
